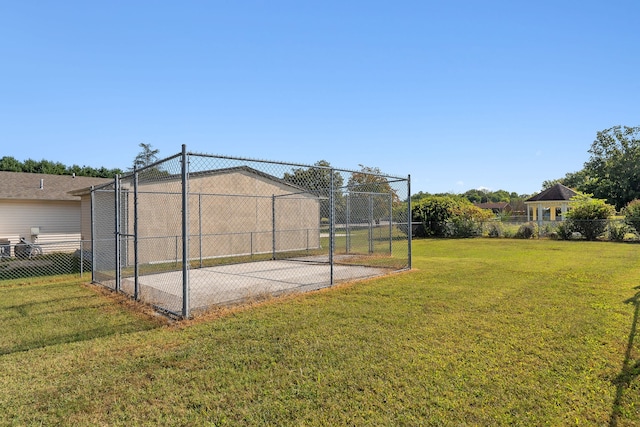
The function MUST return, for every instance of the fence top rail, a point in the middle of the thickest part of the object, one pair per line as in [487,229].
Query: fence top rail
[246,159]
[132,173]
[103,187]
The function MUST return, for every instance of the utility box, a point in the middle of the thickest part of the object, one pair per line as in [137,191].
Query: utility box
[5,249]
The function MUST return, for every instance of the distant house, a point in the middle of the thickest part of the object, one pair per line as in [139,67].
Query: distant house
[551,204]
[38,207]
[497,208]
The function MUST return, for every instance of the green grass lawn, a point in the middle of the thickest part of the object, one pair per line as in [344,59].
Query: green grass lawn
[482,332]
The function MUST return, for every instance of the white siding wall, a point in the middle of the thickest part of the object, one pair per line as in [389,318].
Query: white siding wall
[57,220]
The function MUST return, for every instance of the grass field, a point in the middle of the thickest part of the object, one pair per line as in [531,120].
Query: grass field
[481,332]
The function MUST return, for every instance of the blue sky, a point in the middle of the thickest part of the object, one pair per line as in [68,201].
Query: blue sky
[459,94]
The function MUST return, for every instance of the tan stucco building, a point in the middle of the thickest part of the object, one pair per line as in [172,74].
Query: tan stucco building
[230,213]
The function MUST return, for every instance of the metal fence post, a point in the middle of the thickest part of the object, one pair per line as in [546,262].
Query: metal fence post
[117,229]
[332,225]
[371,223]
[136,271]
[348,224]
[390,223]
[273,226]
[93,234]
[185,233]
[200,226]
[409,219]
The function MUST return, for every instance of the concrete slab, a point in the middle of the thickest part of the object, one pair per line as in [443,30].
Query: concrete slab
[228,284]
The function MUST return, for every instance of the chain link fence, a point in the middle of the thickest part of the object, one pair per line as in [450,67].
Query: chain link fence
[196,230]
[613,229]
[27,259]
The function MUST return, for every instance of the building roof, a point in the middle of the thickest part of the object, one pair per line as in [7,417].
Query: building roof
[493,205]
[38,186]
[200,174]
[556,193]
[246,169]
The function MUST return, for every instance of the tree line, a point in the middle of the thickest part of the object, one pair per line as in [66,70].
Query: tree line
[147,156]
[11,164]
[612,172]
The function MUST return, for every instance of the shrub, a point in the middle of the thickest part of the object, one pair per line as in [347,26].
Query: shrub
[464,227]
[527,231]
[447,216]
[618,231]
[547,230]
[588,216]
[564,231]
[495,229]
[467,219]
[433,213]
[590,229]
[509,233]
[632,214]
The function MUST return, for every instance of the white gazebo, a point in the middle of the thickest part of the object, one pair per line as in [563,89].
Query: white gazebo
[550,205]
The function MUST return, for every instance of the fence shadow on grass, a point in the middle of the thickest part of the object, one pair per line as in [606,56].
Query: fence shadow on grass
[55,319]
[630,367]
[25,309]
[69,338]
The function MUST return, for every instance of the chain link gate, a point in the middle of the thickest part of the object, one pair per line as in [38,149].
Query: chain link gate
[195,230]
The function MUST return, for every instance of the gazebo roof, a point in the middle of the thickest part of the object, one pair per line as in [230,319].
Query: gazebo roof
[557,193]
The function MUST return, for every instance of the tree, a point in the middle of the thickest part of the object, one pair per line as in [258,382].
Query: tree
[317,180]
[419,195]
[588,216]
[574,180]
[368,179]
[54,168]
[476,196]
[145,157]
[30,166]
[613,170]
[10,164]
[372,195]
[486,196]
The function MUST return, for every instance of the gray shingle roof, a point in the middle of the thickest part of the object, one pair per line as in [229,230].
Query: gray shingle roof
[203,174]
[27,186]
[557,192]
